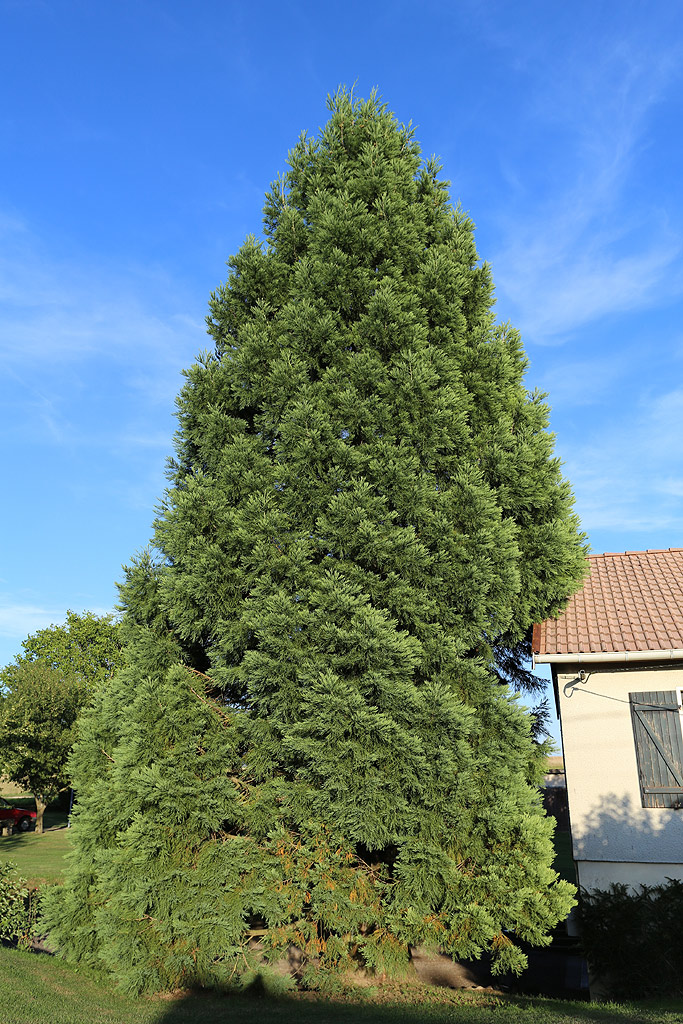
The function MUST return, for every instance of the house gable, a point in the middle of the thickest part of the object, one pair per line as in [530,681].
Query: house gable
[616,655]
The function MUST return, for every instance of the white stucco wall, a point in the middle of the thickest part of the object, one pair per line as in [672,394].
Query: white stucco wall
[608,823]
[600,874]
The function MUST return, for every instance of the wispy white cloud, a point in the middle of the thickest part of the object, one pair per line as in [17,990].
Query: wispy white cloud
[581,382]
[672,486]
[560,287]
[58,308]
[574,251]
[71,327]
[17,621]
[628,474]
[156,440]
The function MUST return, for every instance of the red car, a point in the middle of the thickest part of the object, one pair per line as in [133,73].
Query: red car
[15,815]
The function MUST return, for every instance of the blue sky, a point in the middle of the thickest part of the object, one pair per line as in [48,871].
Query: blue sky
[136,143]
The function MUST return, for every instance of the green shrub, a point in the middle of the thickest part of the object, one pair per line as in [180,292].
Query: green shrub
[633,940]
[18,907]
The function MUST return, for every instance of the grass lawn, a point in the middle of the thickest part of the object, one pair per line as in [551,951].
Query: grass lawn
[10,790]
[39,989]
[38,858]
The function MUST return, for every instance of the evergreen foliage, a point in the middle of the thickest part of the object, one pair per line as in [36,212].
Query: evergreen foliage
[364,507]
[632,938]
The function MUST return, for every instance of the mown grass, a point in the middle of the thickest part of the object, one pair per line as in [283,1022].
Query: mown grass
[10,790]
[38,858]
[40,989]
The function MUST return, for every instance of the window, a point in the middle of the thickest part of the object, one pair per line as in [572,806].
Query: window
[658,735]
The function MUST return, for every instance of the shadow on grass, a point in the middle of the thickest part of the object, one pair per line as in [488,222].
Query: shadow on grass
[51,823]
[258,1008]
[261,1009]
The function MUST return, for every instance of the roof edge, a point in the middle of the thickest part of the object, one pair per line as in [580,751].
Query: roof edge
[588,657]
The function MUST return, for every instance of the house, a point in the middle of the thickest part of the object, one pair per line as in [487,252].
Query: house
[616,656]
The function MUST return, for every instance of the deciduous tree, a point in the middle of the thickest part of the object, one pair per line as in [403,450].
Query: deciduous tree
[38,711]
[87,645]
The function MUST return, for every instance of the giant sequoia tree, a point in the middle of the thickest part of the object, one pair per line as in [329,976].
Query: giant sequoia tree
[310,744]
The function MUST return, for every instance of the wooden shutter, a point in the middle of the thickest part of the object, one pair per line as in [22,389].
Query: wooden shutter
[658,737]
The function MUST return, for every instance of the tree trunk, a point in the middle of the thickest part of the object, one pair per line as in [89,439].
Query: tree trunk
[40,811]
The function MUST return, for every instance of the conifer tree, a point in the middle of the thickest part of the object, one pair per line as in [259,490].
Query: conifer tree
[364,509]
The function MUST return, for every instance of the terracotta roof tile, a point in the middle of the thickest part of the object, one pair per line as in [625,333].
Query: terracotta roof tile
[629,602]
